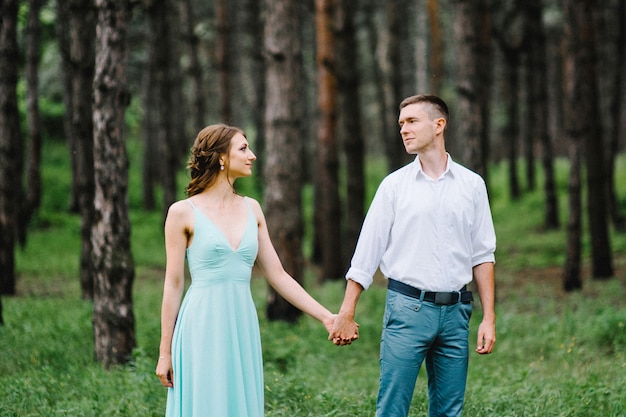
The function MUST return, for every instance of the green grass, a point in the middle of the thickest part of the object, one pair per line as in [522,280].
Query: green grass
[557,354]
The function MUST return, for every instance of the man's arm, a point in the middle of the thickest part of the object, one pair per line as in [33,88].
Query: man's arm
[484,275]
[345,329]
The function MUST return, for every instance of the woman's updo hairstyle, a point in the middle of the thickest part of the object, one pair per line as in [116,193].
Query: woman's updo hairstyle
[204,162]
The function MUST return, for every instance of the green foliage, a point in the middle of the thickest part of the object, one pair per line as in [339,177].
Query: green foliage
[557,354]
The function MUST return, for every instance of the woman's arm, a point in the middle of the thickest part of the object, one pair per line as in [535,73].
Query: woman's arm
[177,232]
[280,280]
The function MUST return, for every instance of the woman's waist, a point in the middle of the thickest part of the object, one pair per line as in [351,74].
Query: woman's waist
[210,281]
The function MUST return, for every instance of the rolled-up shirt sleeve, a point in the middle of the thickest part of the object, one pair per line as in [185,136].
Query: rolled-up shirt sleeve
[374,237]
[483,232]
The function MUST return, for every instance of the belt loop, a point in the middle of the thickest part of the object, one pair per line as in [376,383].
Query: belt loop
[422,293]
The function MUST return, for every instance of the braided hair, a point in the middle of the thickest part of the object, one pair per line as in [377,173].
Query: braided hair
[204,161]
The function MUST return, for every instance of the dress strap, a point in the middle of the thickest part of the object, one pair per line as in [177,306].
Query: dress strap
[191,204]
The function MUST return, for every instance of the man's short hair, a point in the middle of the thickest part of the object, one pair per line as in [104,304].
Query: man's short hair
[437,104]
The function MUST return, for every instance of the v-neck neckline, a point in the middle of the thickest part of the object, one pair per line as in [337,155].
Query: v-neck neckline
[245,230]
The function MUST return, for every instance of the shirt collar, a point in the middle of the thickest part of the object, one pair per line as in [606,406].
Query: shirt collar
[450,167]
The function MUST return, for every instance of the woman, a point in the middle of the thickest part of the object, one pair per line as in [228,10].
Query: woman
[210,351]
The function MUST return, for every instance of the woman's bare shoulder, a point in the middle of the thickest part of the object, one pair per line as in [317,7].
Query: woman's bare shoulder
[181,208]
[256,208]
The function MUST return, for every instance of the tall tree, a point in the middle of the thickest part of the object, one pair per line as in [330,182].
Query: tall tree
[589,104]
[538,107]
[11,145]
[350,120]
[223,58]
[436,50]
[473,62]
[192,41]
[327,203]
[76,34]
[374,53]
[258,96]
[572,279]
[33,43]
[484,54]
[113,319]
[509,33]
[283,177]
[580,93]
[611,41]
[398,69]
[162,133]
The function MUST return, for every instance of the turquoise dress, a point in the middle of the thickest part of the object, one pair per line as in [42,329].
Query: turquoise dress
[216,345]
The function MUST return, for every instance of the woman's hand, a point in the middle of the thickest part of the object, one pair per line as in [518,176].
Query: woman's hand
[164,370]
[344,331]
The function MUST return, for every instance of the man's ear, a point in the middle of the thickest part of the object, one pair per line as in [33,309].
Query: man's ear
[440,125]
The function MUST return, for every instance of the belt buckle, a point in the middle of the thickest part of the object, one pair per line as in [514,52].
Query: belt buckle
[446,298]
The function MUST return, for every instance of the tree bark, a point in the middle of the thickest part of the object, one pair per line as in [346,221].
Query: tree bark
[33,37]
[11,145]
[223,59]
[327,205]
[114,322]
[188,22]
[161,133]
[574,130]
[538,107]
[589,104]
[380,125]
[76,33]
[283,206]
[398,74]
[510,131]
[472,86]
[436,50]
[255,25]
[572,279]
[580,95]
[351,133]
[611,41]
[509,33]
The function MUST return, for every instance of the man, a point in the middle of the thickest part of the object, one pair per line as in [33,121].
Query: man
[429,229]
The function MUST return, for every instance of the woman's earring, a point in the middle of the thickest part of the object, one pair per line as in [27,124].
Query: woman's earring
[221,167]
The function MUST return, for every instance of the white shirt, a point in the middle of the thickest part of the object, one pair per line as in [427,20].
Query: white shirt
[426,233]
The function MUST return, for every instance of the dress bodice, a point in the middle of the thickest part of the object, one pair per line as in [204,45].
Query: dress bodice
[211,257]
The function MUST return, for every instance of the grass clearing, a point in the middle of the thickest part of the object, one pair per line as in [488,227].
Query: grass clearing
[558,354]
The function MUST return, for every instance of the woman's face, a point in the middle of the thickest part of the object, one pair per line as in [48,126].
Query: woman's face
[240,157]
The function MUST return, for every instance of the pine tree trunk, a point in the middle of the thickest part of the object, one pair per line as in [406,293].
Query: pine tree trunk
[398,74]
[469,88]
[223,58]
[76,31]
[114,322]
[611,41]
[33,42]
[575,135]
[11,144]
[283,182]
[327,205]
[588,105]
[192,41]
[351,132]
[436,50]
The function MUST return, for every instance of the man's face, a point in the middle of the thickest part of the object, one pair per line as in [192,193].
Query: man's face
[417,128]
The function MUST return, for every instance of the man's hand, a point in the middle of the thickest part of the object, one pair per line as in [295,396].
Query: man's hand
[486,338]
[344,331]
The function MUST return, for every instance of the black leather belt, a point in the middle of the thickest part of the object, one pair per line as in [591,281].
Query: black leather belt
[441,298]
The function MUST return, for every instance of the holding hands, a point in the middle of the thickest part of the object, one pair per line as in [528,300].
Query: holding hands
[344,331]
